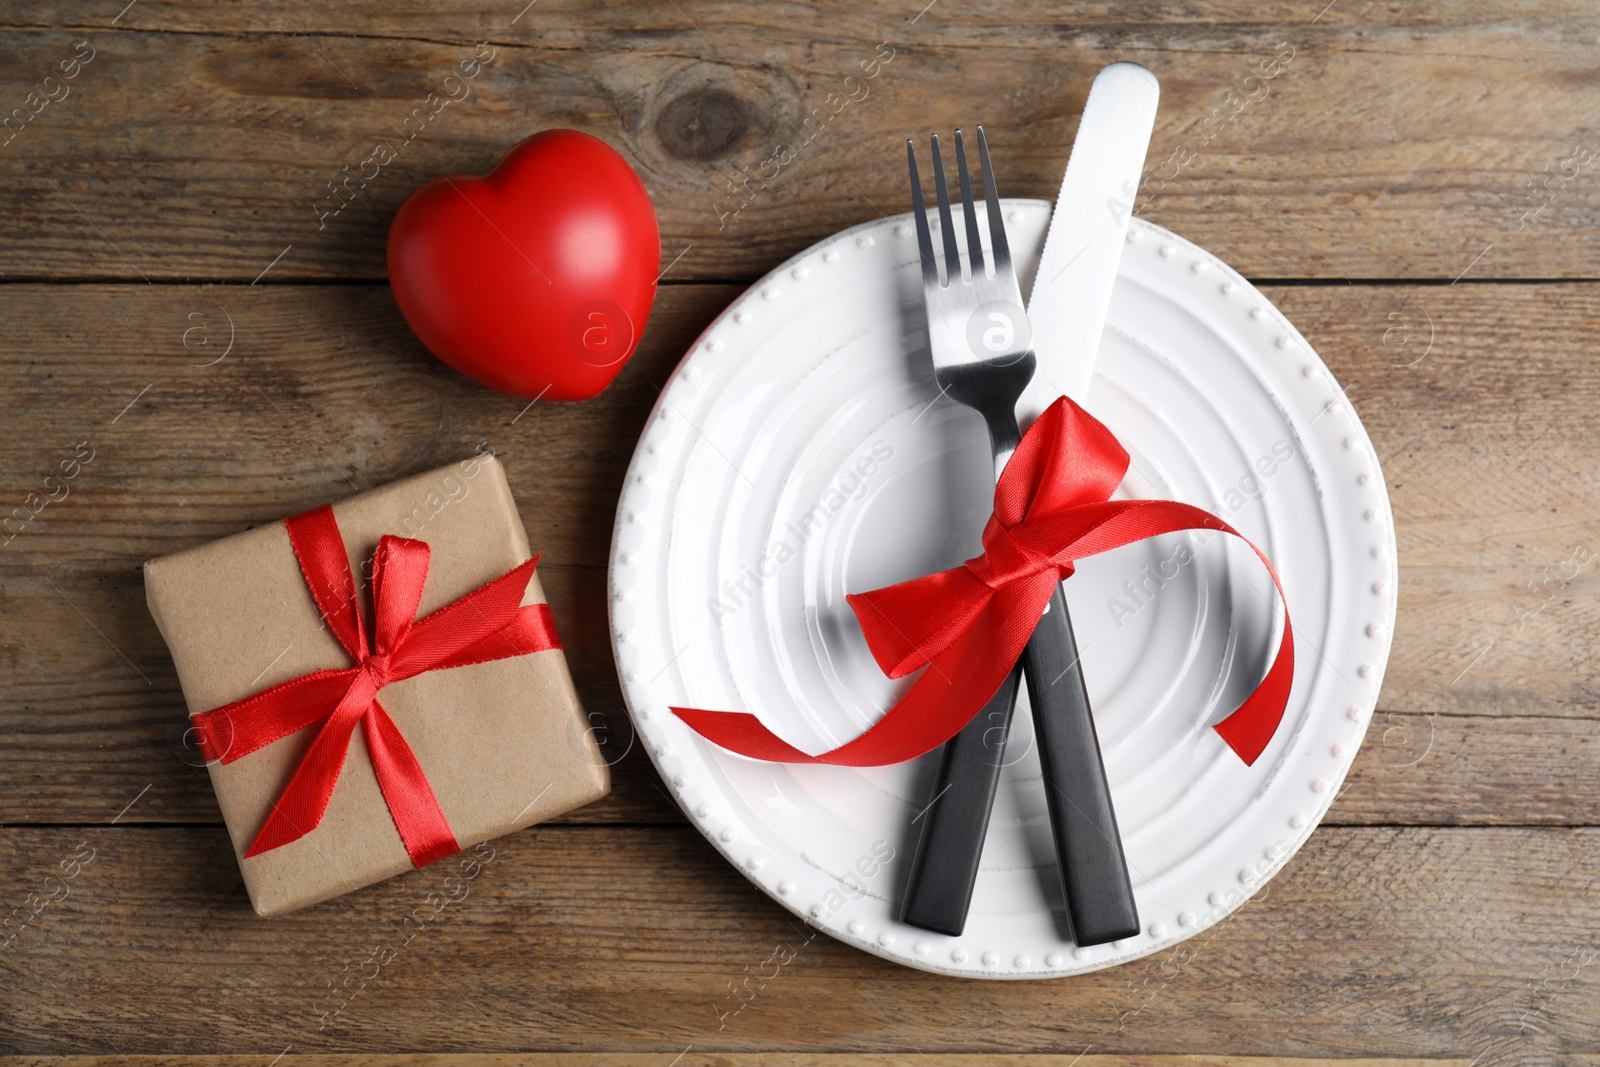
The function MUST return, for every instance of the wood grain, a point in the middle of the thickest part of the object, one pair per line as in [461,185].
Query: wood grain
[719,1059]
[1420,943]
[1486,442]
[200,140]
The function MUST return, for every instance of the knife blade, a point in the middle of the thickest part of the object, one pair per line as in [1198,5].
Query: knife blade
[1082,247]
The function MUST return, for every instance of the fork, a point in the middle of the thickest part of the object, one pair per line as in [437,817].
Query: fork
[978,338]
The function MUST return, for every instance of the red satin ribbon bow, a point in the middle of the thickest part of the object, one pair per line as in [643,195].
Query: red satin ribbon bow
[489,623]
[969,624]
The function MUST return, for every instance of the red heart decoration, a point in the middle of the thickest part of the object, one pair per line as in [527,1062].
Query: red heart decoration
[535,279]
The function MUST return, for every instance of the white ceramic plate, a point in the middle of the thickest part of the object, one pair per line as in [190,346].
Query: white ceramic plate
[800,452]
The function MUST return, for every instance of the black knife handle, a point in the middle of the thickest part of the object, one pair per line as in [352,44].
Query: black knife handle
[954,823]
[1094,872]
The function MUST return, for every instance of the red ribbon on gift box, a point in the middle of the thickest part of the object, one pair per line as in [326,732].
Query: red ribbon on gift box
[969,624]
[490,623]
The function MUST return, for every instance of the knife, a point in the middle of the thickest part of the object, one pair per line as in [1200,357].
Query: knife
[1067,310]
[1071,290]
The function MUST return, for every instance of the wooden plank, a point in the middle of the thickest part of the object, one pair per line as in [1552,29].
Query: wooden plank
[1420,943]
[1487,446]
[736,1059]
[1480,402]
[1347,162]
[324,392]
[1473,770]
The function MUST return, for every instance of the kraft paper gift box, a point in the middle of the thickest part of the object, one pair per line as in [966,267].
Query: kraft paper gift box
[503,744]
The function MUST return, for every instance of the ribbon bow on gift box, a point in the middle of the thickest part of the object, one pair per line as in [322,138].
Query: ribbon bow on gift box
[969,624]
[490,623]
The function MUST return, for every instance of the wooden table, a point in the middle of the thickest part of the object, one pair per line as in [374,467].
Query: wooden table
[191,303]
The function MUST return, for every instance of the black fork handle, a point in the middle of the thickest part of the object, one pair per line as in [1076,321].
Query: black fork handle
[956,818]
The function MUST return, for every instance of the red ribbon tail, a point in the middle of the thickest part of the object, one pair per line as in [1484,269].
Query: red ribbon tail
[957,684]
[1249,729]
[742,733]
[415,810]
[304,801]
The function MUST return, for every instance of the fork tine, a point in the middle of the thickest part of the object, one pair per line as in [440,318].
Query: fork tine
[974,245]
[930,268]
[952,254]
[997,229]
